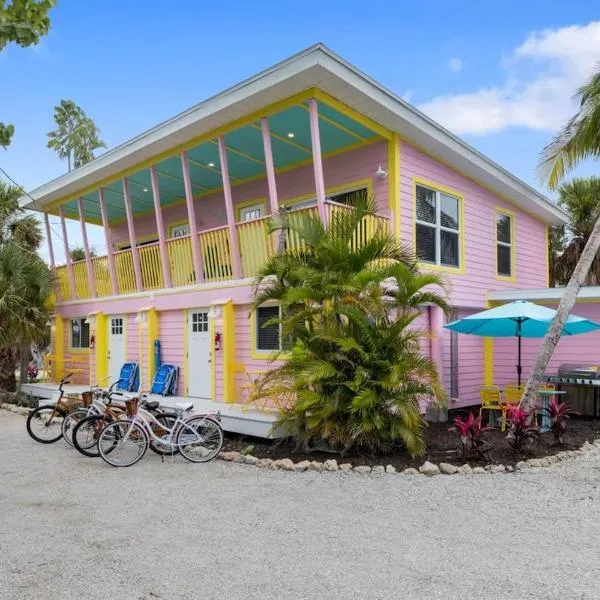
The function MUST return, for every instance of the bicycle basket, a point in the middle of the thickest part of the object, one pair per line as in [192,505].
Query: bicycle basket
[87,398]
[131,407]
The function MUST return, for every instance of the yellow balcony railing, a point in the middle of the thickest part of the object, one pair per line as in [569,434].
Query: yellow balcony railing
[256,245]
[62,277]
[366,229]
[82,287]
[125,272]
[216,254]
[101,275]
[151,266]
[181,261]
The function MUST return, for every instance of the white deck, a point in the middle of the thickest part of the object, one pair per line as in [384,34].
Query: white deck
[234,417]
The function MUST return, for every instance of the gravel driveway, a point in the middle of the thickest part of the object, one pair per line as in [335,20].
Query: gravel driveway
[75,528]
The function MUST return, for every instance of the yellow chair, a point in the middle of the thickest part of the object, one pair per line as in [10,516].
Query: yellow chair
[513,393]
[491,399]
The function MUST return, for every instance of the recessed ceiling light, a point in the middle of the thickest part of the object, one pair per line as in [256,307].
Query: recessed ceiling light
[211,164]
[146,190]
[290,135]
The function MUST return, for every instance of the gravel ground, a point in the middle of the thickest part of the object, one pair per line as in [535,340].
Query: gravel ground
[75,528]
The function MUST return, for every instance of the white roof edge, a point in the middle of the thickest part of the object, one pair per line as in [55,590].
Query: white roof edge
[316,55]
[591,292]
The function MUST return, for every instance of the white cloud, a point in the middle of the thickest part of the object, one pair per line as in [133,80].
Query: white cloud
[543,75]
[455,64]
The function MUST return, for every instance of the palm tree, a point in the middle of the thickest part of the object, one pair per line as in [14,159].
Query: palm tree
[580,198]
[26,284]
[355,372]
[76,136]
[579,139]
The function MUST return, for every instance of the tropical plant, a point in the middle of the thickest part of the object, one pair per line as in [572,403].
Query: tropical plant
[23,22]
[354,373]
[26,284]
[579,139]
[470,435]
[76,136]
[558,413]
[78,253]
[580,198]
[521,427]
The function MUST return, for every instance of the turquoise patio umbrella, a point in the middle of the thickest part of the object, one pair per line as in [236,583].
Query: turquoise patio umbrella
[518,319]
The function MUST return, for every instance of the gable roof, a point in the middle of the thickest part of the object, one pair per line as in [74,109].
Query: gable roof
[315,67]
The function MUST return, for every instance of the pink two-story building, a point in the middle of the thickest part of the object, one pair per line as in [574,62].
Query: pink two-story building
[185,208]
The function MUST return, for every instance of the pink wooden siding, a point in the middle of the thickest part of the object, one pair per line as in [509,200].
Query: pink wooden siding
[171,329]
[470,367]
[580,349]
[339,170]
[469,289]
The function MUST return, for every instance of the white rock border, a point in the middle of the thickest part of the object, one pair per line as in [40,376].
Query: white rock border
[427,469]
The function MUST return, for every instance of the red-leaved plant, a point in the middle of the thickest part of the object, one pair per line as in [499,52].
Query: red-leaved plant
[559,413]
[470,435]
[521,429]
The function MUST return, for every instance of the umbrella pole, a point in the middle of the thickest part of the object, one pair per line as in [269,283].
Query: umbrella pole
[519,353]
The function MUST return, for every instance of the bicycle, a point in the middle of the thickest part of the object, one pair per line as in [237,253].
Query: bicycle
[87,430]
[198,438]
[44,421]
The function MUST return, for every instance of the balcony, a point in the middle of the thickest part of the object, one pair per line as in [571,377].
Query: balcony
[255,243]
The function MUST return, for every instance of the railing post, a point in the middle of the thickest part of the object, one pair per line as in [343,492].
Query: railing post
[160,227]
[86,249]
[315,139]
[189,201]
[67,254]
[236,264]
[112,271]
[49,238]
[271,182]
[137,271]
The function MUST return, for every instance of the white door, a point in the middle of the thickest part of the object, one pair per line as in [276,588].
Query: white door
[116,346]
[199,368]
[248,213]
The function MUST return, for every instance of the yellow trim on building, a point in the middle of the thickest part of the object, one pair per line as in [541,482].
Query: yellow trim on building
[58,332]
[213,360]
[186,313]
[174,224]
[228,350]
[264,354]
[330,191]
[101,347]
[240,206]
[151,335]
[394,183]
[547,256]
[513,244]
[461,269]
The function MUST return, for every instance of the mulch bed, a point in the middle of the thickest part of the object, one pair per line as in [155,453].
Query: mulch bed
[441,447]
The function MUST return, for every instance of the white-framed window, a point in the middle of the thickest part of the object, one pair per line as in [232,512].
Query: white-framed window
[438,227]
[80,333]
[504,244]
[116,326]
[249,213]
[267,338]
[345,197]
[200,322]
[180,230]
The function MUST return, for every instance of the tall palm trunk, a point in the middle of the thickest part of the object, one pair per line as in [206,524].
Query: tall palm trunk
[567,302]
[8,366]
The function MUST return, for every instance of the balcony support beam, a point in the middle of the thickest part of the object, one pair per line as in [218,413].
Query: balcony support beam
[68,262]
[271,181]
[191,211]
[49,238]
[313,113]
[112,271]
[137,270]
[236,263]
[160,227]
[86,249]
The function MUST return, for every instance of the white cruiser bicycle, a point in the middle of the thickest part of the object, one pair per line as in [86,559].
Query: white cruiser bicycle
[123,443]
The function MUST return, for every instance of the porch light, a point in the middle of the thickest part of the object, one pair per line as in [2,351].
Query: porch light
[214,313]
[381,173]
[211,164]
[146,190]
[291,134]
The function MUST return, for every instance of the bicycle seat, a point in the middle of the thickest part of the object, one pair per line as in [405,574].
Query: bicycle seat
[151,404]
[184,406]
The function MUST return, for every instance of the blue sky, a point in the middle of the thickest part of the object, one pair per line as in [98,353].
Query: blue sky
[501,75]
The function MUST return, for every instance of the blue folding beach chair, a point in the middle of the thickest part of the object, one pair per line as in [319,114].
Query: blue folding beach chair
[129,377]
[165,380]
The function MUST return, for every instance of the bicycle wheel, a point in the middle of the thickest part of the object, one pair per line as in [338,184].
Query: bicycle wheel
[44,423]
[69,422]
[86,433]
[168,420]
[199,439]
[123,443]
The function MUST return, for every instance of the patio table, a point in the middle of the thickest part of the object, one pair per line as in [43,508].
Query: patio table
[545,396]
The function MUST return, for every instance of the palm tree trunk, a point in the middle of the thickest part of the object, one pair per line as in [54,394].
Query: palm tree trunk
[24,358]
[8,365]
[567,302]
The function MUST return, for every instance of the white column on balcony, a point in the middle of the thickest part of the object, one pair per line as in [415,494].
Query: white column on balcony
[236,263]
[86,249]
[189,202]
[137,270]
[68,262]
[112,271]
[271,182]
[160,227]
[49,239]
[313,113]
